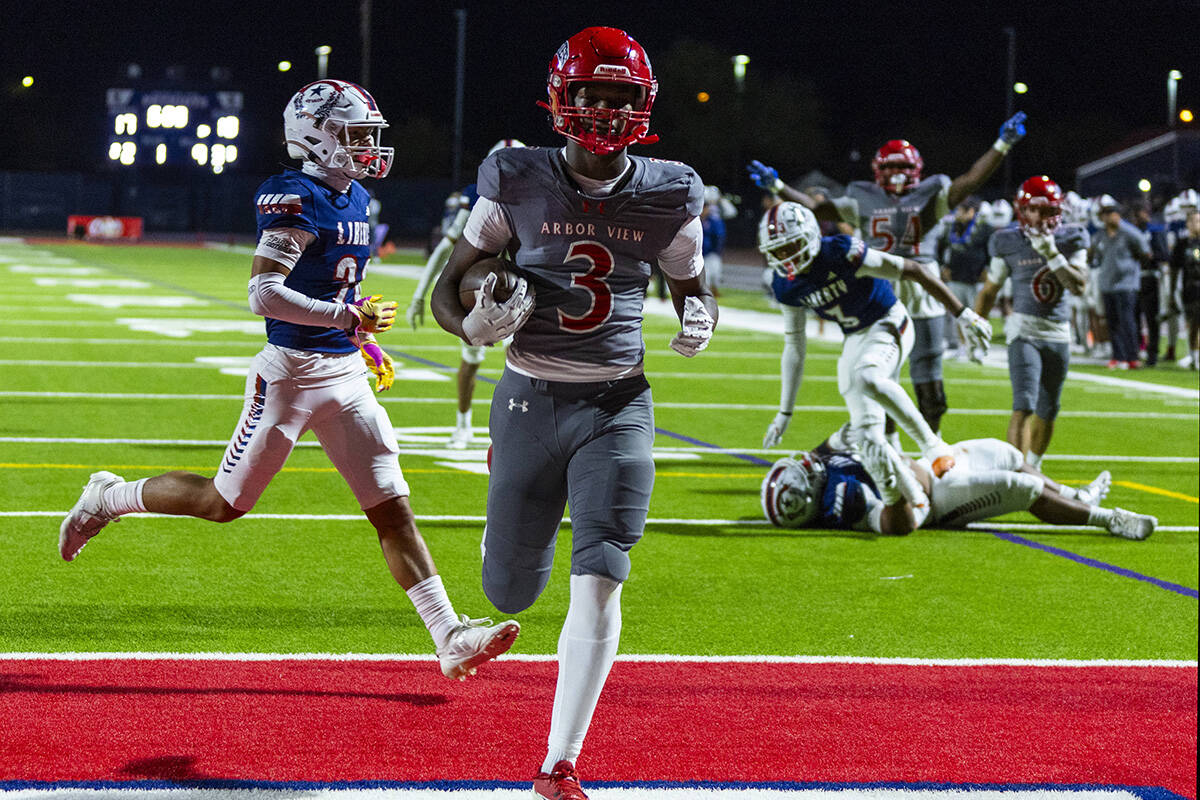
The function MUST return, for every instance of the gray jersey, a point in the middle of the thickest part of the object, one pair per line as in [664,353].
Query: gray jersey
[587,258]
[1036,290]
[897,224]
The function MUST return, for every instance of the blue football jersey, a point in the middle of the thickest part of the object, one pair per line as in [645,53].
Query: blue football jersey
[333,265]
[832,290]
[849,492]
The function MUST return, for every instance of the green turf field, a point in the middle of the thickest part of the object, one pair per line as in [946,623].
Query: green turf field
[133,358]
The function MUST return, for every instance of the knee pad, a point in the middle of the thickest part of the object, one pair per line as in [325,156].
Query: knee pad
[604,559]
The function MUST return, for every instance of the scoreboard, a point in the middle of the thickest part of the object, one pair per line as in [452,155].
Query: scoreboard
[148,128]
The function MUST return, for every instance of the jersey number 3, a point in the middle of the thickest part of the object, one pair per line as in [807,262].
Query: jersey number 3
[599,261]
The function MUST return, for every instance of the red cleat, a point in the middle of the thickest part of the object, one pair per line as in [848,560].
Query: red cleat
[561,784]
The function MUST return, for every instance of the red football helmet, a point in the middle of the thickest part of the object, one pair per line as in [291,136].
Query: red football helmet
[601,55]
[1039,205]
[897,153]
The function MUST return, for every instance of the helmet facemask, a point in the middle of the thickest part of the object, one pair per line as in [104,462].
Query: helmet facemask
[1039,205]
[897,166]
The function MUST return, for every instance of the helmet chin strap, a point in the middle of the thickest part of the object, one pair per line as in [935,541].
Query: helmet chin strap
[336,178]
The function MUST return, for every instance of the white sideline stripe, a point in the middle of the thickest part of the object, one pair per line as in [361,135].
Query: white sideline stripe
[973,412]
[446,430]
[612,792]
[479,518]
[648,658]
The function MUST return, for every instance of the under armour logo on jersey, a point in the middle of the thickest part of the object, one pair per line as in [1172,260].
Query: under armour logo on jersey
[599,207]
[514,405]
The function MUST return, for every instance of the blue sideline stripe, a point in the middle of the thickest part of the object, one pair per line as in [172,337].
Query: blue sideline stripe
[1091,562]
[1144,792]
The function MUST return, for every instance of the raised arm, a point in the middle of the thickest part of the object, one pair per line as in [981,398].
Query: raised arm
[1011,132]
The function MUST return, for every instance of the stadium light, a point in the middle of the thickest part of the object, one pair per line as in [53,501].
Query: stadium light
[739,70]
[1185,115]
[202,131]
[27,81]
[1173,79]
[322,52]
[1144,186]
[283,66]
[702,97]
[1020,88]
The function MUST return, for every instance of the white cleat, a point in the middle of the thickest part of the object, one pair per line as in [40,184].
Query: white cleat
[880,464]
[87,517]
[460,439]
[1097,490]
[1129,525]
[475,642]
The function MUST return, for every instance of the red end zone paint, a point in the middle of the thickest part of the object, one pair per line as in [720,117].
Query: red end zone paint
[397,720]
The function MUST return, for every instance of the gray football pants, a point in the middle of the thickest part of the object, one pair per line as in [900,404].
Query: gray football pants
[554,443]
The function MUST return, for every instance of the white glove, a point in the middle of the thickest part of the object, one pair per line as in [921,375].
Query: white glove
[1043,244]
[976,332]
[776,428]
[416,313]
[697,328]
[489,321]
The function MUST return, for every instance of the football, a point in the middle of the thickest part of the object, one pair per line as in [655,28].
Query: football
[472,279]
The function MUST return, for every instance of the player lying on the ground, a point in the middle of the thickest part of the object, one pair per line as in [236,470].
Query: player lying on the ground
[882,491]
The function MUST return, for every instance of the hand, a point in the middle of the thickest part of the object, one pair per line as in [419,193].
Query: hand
[375,315]
[776,428]
[379,362]
[976,332]
[416,313]
[764,177]
[489,321]
[1043,244]
[1013,130]
[697,328]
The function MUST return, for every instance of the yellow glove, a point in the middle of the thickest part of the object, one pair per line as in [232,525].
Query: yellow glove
[379,362]
[375,315]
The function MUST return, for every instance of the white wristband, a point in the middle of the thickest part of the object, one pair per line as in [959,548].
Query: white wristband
[1000,146]
[777,186]
[1059,262]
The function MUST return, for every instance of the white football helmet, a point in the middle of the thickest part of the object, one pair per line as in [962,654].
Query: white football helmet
[336,125]
[790,238]
[1181,205]
[503,143]
[791,492]
[1074,208]
[1000,213]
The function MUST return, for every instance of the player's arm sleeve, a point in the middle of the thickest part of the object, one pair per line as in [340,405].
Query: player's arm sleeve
[441,254]
[682,259]
[941,202]
[270,298]
[487,229]
[791,363]
[878,264]
[283,245]
[997,271]
[847,209]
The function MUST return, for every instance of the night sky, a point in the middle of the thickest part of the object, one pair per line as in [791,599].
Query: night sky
[934,75]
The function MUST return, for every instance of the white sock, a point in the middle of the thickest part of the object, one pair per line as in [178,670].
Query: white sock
[430,600]
[587,647]
[1034,460]
[1068,492]
[463,419]
[1099,516]
[124,498]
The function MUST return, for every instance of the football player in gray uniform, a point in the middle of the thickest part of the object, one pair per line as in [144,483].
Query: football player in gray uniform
[1043,259]
[571,418]
[896,213]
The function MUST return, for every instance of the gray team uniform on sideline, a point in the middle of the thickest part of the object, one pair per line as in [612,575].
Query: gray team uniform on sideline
[904,225]
[572,417]
[1038,331]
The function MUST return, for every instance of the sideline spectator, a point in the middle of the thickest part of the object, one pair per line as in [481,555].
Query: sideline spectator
[962,252]
[1148,295]
[1117,254]
[1185,279]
